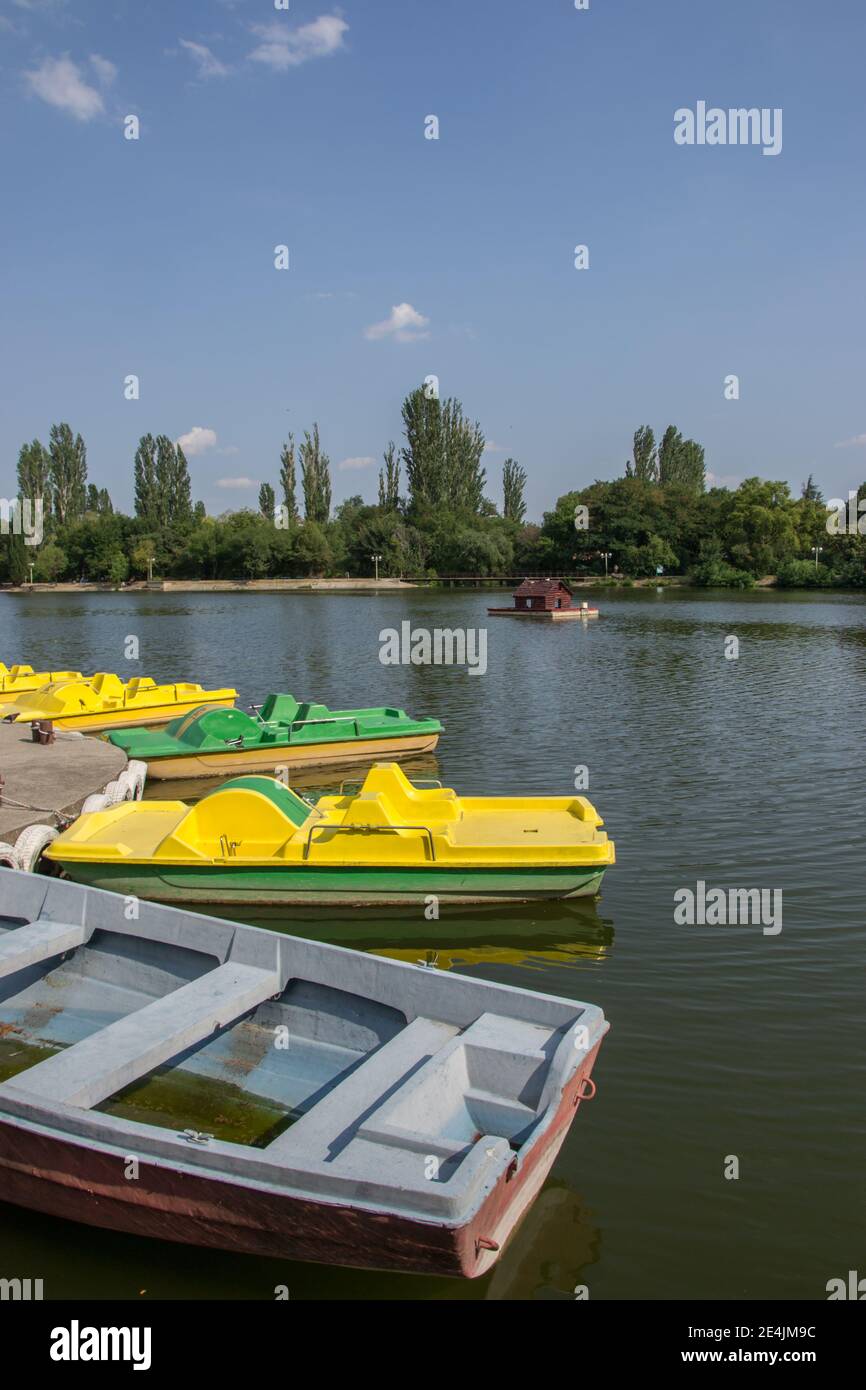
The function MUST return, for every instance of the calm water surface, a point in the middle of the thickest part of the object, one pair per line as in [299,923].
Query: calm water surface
[723,1041]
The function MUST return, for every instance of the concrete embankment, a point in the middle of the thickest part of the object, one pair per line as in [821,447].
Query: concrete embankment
[226,586]
[43,779]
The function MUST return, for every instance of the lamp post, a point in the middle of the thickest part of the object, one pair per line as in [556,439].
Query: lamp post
[816,551]
[376,558]
[606,555]
[30,567]
[150,560]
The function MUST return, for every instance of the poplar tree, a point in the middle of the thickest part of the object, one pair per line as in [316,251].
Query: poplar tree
[34,475]
[644,463]
[145,479]
[67,468]
[389,479]
[287,478]
[315,477]
[513,486]
[267,501]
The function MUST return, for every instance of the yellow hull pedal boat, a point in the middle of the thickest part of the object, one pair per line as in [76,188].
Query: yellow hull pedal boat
[106,702]
[18,680]
[254,841]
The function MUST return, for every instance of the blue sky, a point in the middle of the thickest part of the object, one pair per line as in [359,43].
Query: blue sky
[262,127]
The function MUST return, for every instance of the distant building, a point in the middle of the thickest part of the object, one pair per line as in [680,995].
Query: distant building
[543,594]
[544,598]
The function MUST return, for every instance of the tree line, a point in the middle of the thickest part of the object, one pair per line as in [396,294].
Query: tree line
[432,517]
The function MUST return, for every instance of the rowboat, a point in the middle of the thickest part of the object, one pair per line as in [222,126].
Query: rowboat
[195,1080]
[16,680]
[287,733]
[105,702]
[254,840]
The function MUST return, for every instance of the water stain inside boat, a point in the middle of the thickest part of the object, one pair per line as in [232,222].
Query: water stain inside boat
[16,1055]
[172,1099]
[178,1100]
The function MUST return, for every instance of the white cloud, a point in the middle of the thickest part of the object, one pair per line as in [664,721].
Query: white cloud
[59,81]
[106,72]
[365,461]
[197,440]
[731,480]
[491,448]
[858,441]
[238,482]
[283,48]
[404,323]
[207,62]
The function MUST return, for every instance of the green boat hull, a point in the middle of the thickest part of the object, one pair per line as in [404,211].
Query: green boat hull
[335,887]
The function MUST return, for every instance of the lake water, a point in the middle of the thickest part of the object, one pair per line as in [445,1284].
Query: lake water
[725,1041]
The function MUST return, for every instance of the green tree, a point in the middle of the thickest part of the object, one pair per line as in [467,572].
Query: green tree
[513,487]
[34,475]
[464,445]
[389,480]
[680,462]
[67,468]
[315,477]
[423,454]
[117,567]
[644,463]
[173,489]
[50,564]
[146,491]
[287,479]
[267,501]
[17,559]
[313,551]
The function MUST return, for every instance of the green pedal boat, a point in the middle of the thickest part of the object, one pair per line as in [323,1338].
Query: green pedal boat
[209,742]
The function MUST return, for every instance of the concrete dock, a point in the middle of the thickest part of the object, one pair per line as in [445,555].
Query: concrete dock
[40,780]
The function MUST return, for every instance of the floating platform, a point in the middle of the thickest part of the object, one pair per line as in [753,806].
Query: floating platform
[551,615]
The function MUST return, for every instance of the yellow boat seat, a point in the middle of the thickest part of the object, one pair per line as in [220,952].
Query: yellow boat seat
[138,684]
[405,802]
[107,685]
[268,812]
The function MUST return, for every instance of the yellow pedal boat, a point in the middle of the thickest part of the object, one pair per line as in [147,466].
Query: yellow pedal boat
[106,702]
[17,680]
[254,841]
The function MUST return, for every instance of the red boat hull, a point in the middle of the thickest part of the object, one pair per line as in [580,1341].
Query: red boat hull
[68,1179]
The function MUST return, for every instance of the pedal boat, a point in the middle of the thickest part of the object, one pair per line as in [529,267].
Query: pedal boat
[209,742]
[407,1122]
[254,841]
[106,702]
[18,680]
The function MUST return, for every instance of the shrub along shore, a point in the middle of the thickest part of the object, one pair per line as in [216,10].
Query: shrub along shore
[433,519]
